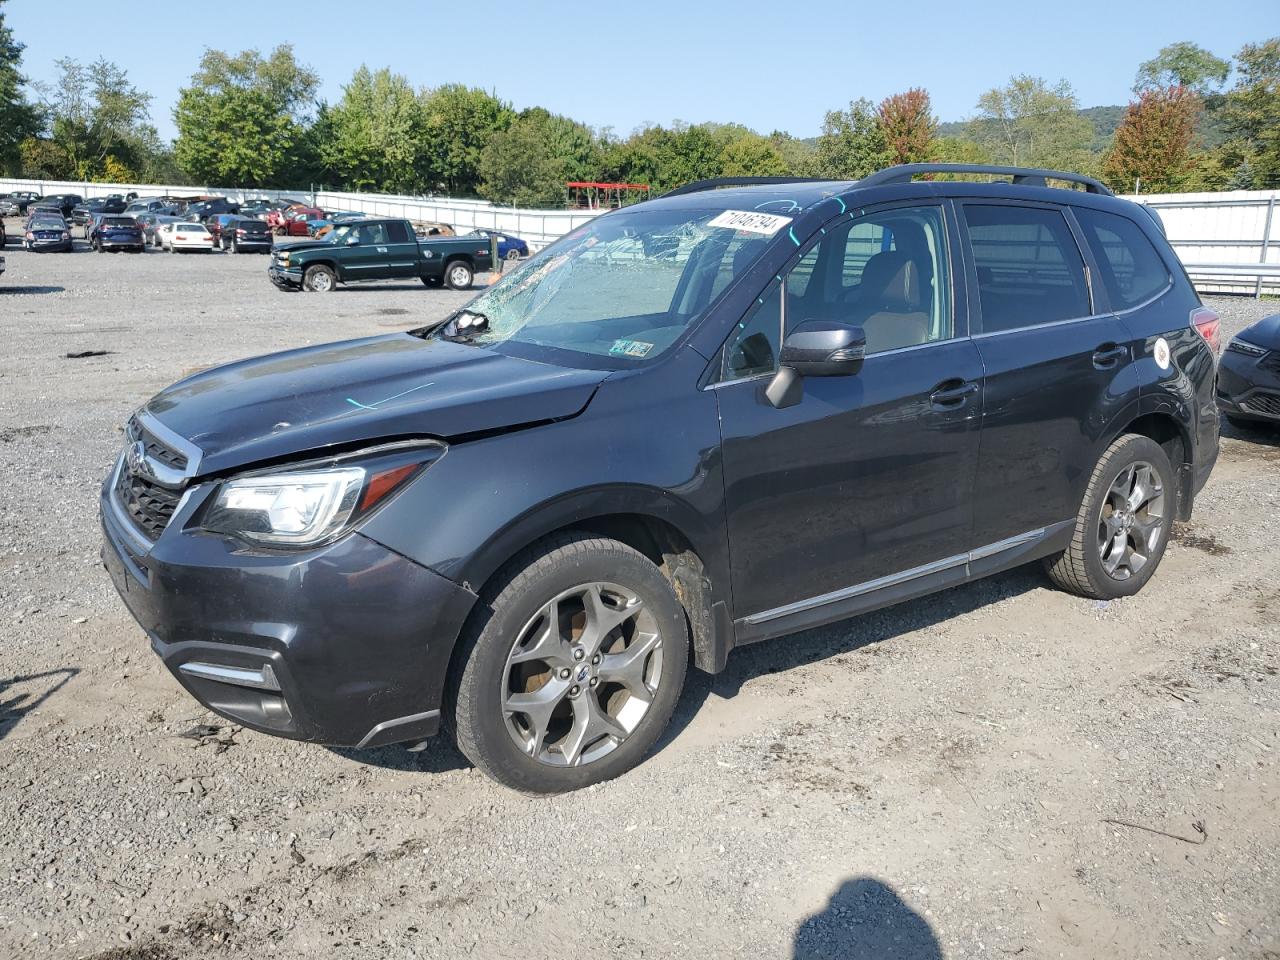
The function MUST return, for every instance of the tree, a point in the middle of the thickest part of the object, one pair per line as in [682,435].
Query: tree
[376,133]
[41,159]
[907,126]
[96,115]
[1029,123]
[1154,140]
[852,144]
[1251,112]
[19,119]
[1182,64]
[460,122]
[242,120]
[751,155]
[529,163]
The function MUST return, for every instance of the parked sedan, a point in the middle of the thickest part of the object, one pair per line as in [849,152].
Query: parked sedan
[216,223]
[116,232]
[185,236]
[257,209]
[151,224]
[47,233]
[509,247]
[246,233]
[1249,375]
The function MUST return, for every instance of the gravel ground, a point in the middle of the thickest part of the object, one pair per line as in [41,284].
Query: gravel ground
[999,770]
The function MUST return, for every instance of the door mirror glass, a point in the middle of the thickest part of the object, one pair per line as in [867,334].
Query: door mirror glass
[824,348]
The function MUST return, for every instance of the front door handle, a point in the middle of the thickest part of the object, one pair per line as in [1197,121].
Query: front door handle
[951,394]
[1107,355]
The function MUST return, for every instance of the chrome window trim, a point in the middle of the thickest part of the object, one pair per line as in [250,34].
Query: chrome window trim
[893,579]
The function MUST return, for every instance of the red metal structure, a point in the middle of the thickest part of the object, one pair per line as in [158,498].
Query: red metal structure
[588,195]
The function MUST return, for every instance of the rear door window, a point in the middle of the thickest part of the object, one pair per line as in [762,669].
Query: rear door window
[1030,271]
[398,232]
[1132,270]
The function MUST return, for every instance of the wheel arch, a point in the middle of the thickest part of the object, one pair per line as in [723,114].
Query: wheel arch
[651,522]
[1164,422]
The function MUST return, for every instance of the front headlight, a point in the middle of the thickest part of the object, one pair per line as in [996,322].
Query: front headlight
[304,507]
[1245,347]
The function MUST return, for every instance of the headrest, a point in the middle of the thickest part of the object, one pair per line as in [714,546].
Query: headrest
[891,278]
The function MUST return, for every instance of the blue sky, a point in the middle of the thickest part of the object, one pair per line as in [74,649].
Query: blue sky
[768,65]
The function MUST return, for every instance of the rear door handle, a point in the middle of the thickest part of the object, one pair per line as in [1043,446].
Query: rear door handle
[1107,355]
[951,394]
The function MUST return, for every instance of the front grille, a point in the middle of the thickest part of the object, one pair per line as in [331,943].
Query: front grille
[149,505]
[1264,403]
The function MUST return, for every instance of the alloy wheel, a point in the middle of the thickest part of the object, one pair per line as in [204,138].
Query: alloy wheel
[581,675]
[1132,520]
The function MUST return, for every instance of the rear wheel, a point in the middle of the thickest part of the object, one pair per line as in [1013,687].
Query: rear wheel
[319,279]
[512,254]
[458,275]
[571,666]
[1123,525]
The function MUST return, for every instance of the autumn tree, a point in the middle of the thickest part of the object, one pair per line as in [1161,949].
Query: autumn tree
[907,125]
[1153,142]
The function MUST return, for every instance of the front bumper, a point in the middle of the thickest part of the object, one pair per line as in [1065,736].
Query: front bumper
[285,279]
[347,644]
[1249,387]
[41,246]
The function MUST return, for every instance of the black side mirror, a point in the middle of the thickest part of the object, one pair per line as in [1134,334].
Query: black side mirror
[816,348]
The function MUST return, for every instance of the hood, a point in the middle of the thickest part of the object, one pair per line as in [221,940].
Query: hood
[296,245]
[373,390]
[1264,333]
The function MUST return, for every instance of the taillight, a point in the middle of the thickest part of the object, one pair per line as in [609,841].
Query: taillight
[1208,325]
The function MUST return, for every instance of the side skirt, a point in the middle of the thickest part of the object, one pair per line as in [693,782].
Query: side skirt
[906,585]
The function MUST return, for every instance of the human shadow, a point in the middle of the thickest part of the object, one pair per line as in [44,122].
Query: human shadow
[845,636]
[865,920]
[16,704]
[13,291]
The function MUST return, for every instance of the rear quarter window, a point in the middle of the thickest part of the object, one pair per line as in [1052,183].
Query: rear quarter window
[1132,269]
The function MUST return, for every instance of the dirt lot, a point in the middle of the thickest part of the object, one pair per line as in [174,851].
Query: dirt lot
[997,771]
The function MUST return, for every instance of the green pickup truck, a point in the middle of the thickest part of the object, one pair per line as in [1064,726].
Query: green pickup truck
[377,250]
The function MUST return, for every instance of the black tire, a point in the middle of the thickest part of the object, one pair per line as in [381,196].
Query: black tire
[458,275]
[319,279]
[1079,569]
[514,598]
[512,254]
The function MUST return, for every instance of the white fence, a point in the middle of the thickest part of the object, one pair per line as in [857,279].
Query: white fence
[1229,241]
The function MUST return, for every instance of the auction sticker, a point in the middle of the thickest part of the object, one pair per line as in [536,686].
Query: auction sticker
[1161,352]
[630,348]
[750,221]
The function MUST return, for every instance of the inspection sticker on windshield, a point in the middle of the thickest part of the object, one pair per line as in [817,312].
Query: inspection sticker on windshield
[630,348]
[750,221]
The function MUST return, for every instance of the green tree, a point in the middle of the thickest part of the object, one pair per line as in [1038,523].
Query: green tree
[98,119]
[19,119]
[376,133]
[852,144]
[460,122]
[907,125]
[1030,123]
[1182,64]
[529,163]
[243,118]
[41,159]
[1251,111]
[1153,142]
[751,155]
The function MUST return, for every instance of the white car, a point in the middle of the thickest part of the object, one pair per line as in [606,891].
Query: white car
[184,236]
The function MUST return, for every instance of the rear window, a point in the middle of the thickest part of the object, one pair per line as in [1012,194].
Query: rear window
[1029,268]
[191,228]
[119,222]
[397,232]
[1131,268]
[251,226]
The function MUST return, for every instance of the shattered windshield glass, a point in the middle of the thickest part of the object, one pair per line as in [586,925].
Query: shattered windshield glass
[623,286]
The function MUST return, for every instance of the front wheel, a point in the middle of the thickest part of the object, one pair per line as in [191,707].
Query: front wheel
[1123,525]
[571,666]
[319,279]
[458,275]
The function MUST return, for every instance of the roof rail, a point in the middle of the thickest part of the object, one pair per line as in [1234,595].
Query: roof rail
[715,183]
[1025,176]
